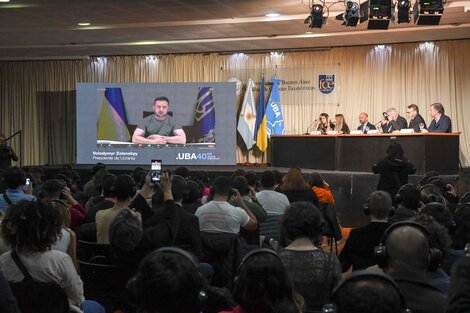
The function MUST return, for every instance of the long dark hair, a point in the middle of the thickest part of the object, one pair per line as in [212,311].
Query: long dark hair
[31,225]
[263,286]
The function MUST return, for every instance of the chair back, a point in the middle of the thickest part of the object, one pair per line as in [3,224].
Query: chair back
[270,227]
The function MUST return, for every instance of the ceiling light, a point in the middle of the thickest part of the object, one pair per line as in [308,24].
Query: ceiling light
[380,14]
[272,14]
[84,23]
[4,0]
[428,12]
[404,11]
[315,19]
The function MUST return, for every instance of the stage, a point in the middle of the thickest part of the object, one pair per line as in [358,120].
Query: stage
[350,189]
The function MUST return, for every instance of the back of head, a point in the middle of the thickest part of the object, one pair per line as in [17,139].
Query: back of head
[31,225]
[221,186]
[124,187]
[315,180]
[278,176]
[294,180]
[97,167]
[64,178]
[379,204]
[52,188]
[461,233]
[407,249]
[252,179]
[268,179]
[14,177]
[395,150]
[168,282]
[439,237]
[368,292]
[440,213]
[125,231]
[63,210]
[182,171]
[302,219]
[409,196]
[431,193]
[241,184]
[179,187]
[108,185]
[262,284]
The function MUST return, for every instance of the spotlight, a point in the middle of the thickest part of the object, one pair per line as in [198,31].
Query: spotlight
[380,14]
[315,19]
[404,11]
[351,15]
[428,12]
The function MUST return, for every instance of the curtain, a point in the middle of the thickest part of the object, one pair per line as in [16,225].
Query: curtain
[38,97]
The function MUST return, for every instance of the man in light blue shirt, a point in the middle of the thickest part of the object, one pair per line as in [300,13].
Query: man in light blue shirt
[15,180]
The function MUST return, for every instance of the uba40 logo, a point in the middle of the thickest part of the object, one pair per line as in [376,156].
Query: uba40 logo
[326,83]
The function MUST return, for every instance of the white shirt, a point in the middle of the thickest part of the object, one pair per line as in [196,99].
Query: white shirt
[221,217]
[50,266]
[273,202]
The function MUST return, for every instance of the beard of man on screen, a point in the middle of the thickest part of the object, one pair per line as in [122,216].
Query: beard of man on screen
[159,128]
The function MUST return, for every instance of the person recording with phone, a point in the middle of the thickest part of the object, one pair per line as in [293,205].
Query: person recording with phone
[7,154]
[17,188]
[392,121]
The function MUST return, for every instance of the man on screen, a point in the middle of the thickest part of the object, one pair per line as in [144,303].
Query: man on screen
[159,128]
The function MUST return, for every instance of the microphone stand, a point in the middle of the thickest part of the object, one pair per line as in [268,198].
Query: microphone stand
[21,144]
[311,124]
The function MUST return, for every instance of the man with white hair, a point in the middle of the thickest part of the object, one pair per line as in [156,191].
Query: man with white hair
[392,121]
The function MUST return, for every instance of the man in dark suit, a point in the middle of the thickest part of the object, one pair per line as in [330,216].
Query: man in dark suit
[358,250]
[365,125]
[416,119]
[441,123]
[393,122]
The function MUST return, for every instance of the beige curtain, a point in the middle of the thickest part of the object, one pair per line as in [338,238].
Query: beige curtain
[38,97]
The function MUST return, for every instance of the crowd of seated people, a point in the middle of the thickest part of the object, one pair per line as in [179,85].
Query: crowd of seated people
[193,244]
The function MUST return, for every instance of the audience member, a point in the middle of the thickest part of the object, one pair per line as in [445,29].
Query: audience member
[168,281]
[15,181]
[314,272]
[440,240]
[460,236]
[67,241]
[367,292]
[263,285]
[30,228]
[296,188]
[407,201]
[56,189]
[273,202]
[393,169]
[321,188]
[458,300]
[107,195]
[91,187]
[406,254]
[358,250]
[124,190]
[219,216]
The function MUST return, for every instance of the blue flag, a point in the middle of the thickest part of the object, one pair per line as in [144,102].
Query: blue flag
[274,119]
[261,109]
[112,121]
[204,117]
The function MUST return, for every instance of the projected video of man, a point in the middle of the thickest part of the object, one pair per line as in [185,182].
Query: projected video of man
[160,127]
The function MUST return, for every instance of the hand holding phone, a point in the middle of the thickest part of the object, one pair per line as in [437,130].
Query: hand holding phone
[155,170]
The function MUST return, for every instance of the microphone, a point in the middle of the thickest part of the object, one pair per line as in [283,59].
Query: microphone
[311,124]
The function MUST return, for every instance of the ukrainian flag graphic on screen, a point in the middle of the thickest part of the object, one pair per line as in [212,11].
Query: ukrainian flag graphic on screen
[112,121]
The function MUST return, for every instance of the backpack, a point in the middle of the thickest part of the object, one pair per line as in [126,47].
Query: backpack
[35,296]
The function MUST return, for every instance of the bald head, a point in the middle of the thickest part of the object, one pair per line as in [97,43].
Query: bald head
[407,249]
[363,118]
